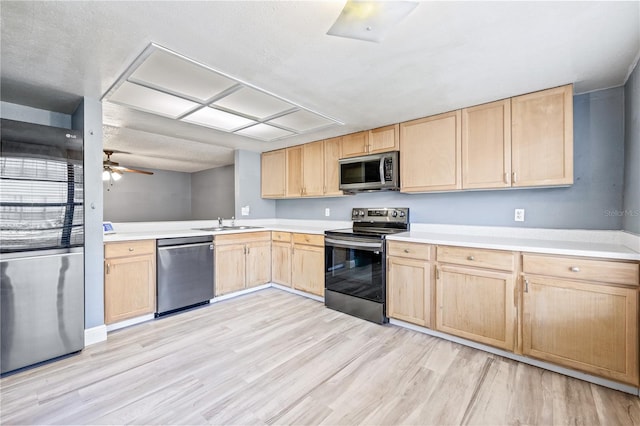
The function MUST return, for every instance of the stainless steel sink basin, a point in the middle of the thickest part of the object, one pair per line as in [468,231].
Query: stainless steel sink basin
[227,228]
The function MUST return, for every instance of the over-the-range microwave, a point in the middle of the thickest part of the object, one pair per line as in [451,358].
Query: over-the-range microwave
[375,172]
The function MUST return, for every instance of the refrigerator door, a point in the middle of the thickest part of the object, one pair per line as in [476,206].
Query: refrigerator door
[41,308]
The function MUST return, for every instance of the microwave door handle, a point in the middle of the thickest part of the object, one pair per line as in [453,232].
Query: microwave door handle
[382,171]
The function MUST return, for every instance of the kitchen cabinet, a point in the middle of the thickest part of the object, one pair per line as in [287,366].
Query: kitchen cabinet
[582,314]
[307,270]
[430,153]
[486,146]
[355,144]
[294,176]
[476,300]
[332,153]
[241,261]
[383,139]
[273,168]
[281,250]
[409,282]
[129,280]
[313,169]
[542,138]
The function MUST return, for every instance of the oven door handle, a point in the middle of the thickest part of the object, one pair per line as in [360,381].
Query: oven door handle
[353,244]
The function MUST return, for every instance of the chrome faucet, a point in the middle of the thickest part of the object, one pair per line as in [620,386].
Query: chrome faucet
[233,221]
[219,222]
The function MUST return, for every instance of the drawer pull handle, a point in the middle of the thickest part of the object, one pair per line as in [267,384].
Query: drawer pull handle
[406,250]
[574,269]
[130,248]
[471,258]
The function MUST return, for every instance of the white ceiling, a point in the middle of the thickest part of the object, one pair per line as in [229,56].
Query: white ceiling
[443,56]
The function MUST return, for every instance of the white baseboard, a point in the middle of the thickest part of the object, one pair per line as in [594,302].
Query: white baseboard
[129,322]
[298,292]
[536,363]
[95,335]
[239,293]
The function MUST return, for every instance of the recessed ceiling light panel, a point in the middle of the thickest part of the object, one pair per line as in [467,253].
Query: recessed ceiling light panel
[149,100]
[254,103]
[166,83]
[217,119]
[264,132]
[180,76]
[301,121]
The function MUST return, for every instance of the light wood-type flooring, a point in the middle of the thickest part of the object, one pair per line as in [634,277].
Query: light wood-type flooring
[272,357]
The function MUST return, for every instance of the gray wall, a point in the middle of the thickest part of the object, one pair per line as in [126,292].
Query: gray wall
[631,205]
[597,188]
[212,193]
[142,198]
[88,117]
[247,187]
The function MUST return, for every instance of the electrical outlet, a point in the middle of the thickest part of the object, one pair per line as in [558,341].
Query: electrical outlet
[519,215]
[327,212]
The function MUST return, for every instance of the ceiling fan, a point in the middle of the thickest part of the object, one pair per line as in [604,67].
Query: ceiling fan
[113,171]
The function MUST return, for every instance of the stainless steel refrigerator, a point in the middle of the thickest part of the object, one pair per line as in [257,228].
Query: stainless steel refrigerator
[41,243]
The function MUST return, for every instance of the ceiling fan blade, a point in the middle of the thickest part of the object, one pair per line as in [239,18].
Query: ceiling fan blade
[127,169]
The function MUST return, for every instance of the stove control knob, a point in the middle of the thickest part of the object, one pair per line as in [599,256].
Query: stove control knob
[401,214]
[394,213]
[361,212]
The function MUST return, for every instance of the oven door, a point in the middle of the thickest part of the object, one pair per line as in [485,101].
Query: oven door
[356,267]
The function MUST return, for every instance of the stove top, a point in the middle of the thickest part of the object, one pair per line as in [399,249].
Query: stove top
[375,223]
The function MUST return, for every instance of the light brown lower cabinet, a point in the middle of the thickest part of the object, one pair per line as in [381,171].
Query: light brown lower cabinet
[477,304]
[409,290]
[241,261]
[129,280]
[281,258]
[307,265]
[582,325]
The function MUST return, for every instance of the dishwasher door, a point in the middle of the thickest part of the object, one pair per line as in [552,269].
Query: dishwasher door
[185,275]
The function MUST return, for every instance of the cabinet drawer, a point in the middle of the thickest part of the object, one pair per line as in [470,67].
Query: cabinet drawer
[309,239]
[129,248]
[409,250]
[242,237]
[493,259]
[281,236]
[582,269]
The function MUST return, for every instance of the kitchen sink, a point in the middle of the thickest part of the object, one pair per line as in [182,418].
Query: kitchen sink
[227,228]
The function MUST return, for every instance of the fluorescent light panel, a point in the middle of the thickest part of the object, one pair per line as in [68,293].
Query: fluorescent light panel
[165,83]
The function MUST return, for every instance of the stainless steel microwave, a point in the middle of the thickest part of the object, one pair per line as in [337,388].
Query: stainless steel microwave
[374,172]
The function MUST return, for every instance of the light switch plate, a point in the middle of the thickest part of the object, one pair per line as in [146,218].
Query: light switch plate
[245,210]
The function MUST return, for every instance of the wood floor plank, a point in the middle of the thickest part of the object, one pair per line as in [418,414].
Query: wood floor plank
[275,358]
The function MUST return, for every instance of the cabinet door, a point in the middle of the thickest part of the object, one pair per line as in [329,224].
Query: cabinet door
[355,144]
[589,327]
[273,174]
[409,290]
[430,153]
[384,139]
[313,169]
[308,269]
[476,304]
[486,145]
[542,138]
[294,171]
[129,287]
[332,153]
[258,263]
[281,263]
[229,268]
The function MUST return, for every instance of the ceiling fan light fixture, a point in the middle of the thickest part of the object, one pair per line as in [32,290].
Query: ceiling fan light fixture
[115,176]
[370,20]
[106,175]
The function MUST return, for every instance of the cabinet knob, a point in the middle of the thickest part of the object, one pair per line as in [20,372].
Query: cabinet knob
[406,250]
[471,258]
[574,269]
[130,248]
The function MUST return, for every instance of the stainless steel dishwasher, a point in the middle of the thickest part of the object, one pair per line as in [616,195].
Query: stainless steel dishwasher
[185,273]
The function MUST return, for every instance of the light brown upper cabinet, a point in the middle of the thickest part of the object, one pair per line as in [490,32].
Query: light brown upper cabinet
[332,153]
[355,144]
[382,139]
[542,138]
[486,145]
[305,170]
[430,153]
[273,174]
[294,172]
